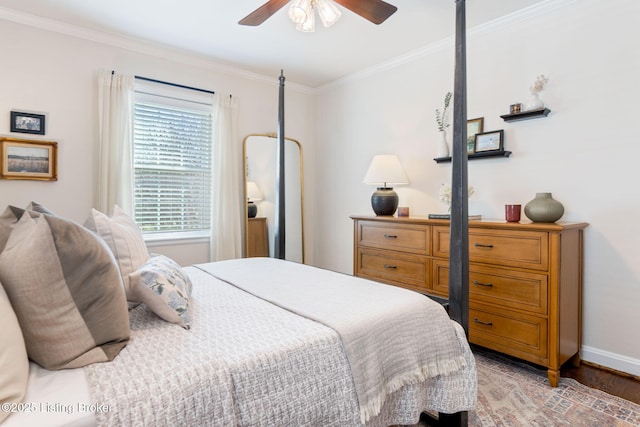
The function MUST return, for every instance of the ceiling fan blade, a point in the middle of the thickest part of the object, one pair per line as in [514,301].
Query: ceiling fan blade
[375,11]
[262,13]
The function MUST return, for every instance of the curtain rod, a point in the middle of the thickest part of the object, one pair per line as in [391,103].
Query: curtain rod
[174,84]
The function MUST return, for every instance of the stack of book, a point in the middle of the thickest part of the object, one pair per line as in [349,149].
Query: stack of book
[448,216]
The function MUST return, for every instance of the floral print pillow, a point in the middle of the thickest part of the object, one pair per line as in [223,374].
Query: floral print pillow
[165,288]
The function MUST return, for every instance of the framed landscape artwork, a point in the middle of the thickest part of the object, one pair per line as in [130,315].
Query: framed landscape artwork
[489,141]
[26,159]
[474,126]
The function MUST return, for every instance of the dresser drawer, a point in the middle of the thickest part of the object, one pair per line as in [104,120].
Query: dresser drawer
[520,290]
[508,332]
[512,248]
[525,279]
[398,237]
[407,271]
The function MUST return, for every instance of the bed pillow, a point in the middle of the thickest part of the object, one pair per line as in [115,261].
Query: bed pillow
[10,216]
[165,288]
[14,364]
[124,238]
[35,206]
[66,291]
[8,221]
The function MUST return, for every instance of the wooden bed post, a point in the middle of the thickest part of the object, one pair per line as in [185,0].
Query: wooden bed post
[459,419]
[459,225]
[279,230]
[459,245]
[459,232]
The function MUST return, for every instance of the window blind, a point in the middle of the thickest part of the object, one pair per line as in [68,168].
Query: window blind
[172,168]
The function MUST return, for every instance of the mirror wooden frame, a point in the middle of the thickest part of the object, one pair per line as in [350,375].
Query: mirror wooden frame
[244,188]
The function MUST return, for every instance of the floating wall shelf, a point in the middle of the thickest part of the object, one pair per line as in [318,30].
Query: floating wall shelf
[473,156]
[526,115]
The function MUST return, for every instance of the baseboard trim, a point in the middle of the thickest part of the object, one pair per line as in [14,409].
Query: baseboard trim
[611,360]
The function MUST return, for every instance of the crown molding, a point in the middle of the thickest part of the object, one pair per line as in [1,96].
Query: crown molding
[135,45]
[448,42]
[197,60]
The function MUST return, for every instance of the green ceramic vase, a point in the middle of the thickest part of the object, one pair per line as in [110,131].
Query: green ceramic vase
[544,208]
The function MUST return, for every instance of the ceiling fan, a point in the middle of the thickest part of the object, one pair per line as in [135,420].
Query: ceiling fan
[376,11]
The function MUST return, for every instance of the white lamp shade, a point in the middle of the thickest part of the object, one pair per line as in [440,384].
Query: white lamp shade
[309,25]
[253,192]
[301,13]
[385,169]
[328,11]
[300,10]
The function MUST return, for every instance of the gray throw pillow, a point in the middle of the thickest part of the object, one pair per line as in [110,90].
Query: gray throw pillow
[65,288]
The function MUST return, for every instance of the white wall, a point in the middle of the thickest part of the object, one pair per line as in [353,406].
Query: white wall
[585,152]
[56,74]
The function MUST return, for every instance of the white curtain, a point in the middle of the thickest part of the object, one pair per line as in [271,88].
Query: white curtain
[115,126]
[228,202]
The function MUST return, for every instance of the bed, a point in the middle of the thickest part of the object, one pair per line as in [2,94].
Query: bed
[252,342]
[251,360]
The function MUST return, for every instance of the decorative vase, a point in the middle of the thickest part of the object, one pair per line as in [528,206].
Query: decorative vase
[443,146]
[544,208]
[533,103]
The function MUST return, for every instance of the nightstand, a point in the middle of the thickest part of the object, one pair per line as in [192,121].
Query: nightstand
[258,237]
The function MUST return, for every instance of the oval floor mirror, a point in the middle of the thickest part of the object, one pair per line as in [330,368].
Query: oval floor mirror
[260,192]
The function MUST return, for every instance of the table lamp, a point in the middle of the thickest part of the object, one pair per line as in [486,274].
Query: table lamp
[253,195]
[385,170]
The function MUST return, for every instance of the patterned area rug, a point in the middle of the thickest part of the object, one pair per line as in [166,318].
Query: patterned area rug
[512,394]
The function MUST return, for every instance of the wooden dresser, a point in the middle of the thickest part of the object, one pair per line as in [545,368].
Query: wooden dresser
[525,279]
[257,237]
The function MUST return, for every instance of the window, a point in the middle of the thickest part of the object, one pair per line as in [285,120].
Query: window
[172,158]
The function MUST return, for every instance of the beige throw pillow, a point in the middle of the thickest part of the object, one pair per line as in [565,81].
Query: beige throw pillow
[14,364]
[124,238]
[66,291]
[8,221]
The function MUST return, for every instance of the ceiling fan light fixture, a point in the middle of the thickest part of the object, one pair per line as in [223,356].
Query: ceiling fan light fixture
[328,11]
[300,10]
[309,25]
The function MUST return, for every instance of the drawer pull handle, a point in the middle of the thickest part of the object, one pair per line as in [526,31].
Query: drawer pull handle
[480,245]
[488,285]
[390,236]
[390,266]
[475,319]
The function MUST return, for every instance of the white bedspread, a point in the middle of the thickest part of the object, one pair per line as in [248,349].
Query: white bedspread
[248,362]
[393,337]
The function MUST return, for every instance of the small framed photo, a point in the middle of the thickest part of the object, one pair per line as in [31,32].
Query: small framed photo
[474,126]
[27,123]
[26,159]
[489,141]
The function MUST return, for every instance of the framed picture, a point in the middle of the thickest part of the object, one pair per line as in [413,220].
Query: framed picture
[474,126]
[27,123]
[26,159]
[489,141]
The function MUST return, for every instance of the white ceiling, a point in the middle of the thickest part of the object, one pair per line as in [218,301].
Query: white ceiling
[209,28]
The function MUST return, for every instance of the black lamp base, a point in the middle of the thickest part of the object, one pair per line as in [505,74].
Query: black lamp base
[384,201]
[252,210]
